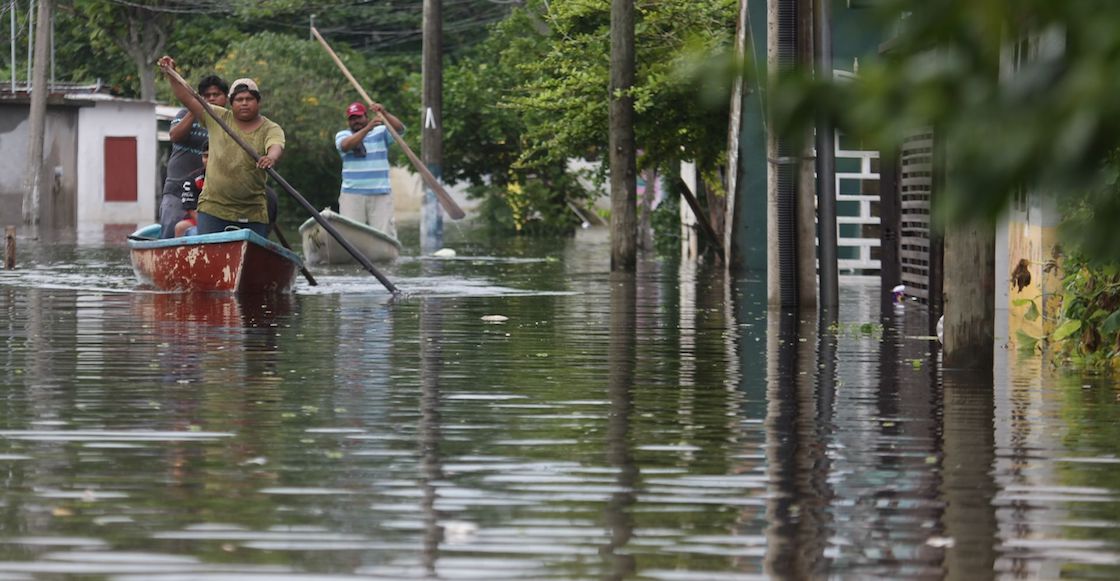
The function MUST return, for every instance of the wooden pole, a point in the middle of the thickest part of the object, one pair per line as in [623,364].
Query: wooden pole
[10,248]
[431,133]
[445,199]
[624,212]
[37,117]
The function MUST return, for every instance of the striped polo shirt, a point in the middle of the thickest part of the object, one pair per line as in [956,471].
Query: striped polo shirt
[368,175]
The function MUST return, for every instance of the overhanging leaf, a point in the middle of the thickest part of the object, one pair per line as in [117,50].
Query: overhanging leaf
[1111,324]
[1066,329]
[1027,342]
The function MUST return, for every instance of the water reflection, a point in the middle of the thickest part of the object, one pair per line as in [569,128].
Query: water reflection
[663,425]
[968,489]
[428,428]
[621,361]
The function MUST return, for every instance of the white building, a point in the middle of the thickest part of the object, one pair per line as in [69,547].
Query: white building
[100,161]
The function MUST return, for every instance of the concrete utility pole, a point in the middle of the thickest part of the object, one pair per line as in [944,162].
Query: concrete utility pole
[37,116]
[805,212]
[624,213]
[431,133]
[826,167]
[970,283]
[12,20]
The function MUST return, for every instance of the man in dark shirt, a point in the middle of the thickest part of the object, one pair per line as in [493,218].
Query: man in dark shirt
[187,138]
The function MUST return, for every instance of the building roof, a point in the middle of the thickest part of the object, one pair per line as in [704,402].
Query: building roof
[63,93]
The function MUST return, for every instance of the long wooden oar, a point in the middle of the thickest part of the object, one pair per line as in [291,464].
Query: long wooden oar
[361,258]
[445,199]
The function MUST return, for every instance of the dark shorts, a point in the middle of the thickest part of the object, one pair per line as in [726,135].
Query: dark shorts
[208,224]
[170,212]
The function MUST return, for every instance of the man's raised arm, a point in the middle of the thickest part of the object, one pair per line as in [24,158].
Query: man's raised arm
[182,92]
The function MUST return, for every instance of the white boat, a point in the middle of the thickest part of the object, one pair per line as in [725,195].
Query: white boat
[319,247]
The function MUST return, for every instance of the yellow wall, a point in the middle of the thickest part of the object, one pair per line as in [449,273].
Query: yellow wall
[1037,245]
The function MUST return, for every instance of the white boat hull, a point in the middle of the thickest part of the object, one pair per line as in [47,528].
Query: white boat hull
[319,247]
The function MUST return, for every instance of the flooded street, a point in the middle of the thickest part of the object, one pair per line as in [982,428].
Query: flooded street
[662,426]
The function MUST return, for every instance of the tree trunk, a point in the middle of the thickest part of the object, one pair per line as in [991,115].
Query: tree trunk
[144,41]
[624,230]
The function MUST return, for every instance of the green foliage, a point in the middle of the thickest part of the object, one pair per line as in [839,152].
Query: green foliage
[534,95]
[484,135]
[666,223]
[566,93]
[1052,124]
[1089,333]
[87,48]
[304,92]
[866,329]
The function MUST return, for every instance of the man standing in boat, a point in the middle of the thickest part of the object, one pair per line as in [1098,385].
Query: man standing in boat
[234,194]
[366,194]
[187,137]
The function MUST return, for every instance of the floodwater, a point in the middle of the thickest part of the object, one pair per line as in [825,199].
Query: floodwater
[660,426]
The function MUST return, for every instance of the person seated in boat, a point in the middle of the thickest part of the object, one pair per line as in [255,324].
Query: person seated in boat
[365,195]
[187,137]
[234,195]
[191,188]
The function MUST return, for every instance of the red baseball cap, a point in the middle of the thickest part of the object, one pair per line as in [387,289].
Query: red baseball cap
[355,108]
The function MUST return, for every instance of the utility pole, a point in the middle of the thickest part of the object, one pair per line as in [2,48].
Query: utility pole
[37,116]
[805,212]
[431,133]
[12,20]
[624,213]
[30,36]
[826,167]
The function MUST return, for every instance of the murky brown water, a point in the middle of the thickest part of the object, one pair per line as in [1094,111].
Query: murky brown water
[663,426]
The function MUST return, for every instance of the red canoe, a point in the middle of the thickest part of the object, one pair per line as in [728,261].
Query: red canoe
[237,261]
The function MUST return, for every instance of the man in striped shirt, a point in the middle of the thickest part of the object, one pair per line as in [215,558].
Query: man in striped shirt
[364,147]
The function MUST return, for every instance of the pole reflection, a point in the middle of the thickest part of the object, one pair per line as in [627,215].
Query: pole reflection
[429,431]
[621,358]
[969,487]
[799,397]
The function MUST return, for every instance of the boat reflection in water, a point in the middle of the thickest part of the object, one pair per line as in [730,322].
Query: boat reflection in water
[197,330]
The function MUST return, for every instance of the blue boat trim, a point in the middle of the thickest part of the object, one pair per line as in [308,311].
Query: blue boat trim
[148,237]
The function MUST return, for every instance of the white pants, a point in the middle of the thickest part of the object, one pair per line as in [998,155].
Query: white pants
[375,211]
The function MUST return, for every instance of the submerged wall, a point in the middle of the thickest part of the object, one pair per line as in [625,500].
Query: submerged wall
[59,194]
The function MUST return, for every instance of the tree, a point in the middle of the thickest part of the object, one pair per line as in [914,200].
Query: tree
[534,95]
[140,30]
[119,43]
[566,95]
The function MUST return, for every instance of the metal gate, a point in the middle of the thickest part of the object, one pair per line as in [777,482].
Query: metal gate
[915,188]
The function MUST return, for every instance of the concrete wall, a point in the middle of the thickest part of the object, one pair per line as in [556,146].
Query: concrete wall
[59,197]
[116,119]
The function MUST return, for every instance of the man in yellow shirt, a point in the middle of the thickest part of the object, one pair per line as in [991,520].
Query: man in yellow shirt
[234,194]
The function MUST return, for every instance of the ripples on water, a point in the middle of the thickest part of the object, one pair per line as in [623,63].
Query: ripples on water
[611,428]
